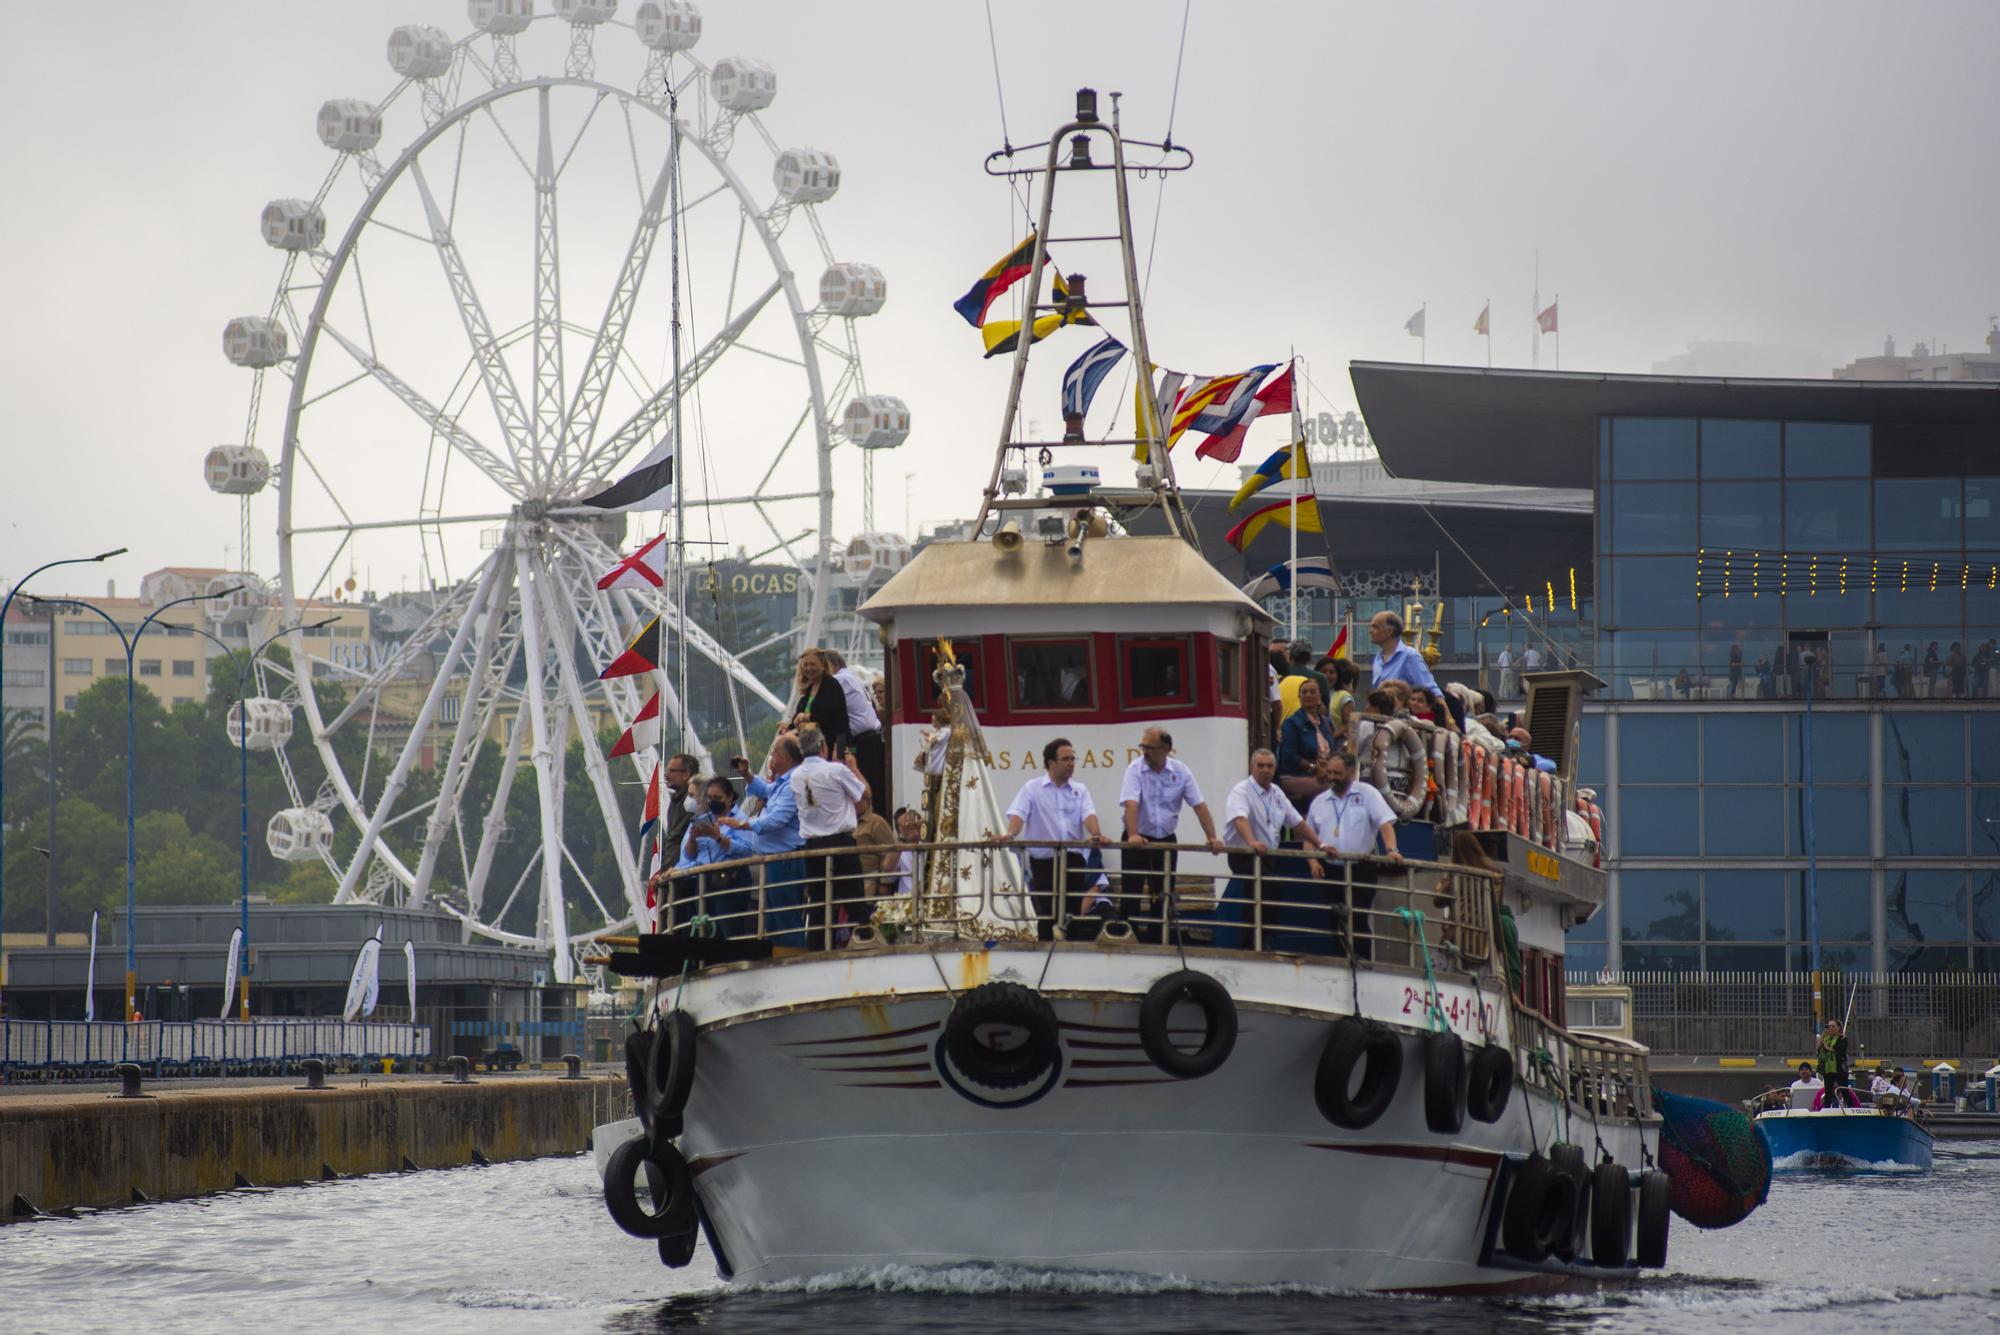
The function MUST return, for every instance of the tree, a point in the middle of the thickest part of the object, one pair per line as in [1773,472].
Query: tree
[23,752]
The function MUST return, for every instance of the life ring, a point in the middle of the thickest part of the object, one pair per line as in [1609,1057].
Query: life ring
[1610,1215]
[1489,1082]
[1541,1210]
[670,1070]
[1377,1053]
[1568,1160]
[669,1186]
[1218,1013]
[1399,736]
[1656,1200]
[972,1035]
[1444,1082]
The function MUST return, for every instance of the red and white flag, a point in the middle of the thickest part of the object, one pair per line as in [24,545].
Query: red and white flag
[643,569]
[644,734]
[1275,397]
[1546,321]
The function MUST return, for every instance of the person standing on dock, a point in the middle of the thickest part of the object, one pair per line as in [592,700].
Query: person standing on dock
[1155,788]
[1832,1060]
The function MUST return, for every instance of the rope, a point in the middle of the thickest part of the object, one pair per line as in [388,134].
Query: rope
[1414,920]
[1543,1060]
[993,45]
[1179,60]
[700,925]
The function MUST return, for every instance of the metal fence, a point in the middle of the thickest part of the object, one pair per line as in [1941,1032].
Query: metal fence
[82,1049]
[1906,1016]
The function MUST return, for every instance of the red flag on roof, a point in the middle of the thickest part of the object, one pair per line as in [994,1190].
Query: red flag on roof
[644,732]
[1546,321]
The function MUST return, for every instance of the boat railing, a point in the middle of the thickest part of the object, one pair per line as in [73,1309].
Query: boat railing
[1389,911]
[1591,1077]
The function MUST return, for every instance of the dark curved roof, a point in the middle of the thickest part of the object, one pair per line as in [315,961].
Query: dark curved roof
[1539,428]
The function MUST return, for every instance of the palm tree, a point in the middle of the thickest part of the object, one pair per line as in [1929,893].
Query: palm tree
[22,744]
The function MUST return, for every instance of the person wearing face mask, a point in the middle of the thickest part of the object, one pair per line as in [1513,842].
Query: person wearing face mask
[719,894]
[1349,817]
[682,799]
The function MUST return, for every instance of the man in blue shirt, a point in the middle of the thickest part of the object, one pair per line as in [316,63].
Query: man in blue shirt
[1396,661]
[775,829]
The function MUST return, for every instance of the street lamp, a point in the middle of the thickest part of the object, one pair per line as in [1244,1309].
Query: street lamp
[131,800]
[50,724]
[243,775]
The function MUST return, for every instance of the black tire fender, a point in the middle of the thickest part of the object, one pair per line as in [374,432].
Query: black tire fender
[669,1208]
[1610,1215]
[1378,1052]
[1656,1217]
[1569,1161]
[670,1066]
[1444,1082]
[1218,1012]
[1541,1210]
[1008,1004]
[638,1074]
[1489,1082]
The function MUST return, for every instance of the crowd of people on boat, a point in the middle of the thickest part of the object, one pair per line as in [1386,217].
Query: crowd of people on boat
[1296,807]
[1829,1081]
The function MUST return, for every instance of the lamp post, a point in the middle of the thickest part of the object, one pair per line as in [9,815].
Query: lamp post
[131,644]
[243,779]
[6,604]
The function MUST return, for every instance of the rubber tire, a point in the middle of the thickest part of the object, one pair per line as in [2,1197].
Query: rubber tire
[670,1065]
[1568,1159]
[1610,1215]
[1218,1012]
[1489,1083]
[1353,1042]
[1541,1210]
[1444,1083]
[677,1249]
[638,1078]
[1656,1217]
[671,1186]
[1006,1003]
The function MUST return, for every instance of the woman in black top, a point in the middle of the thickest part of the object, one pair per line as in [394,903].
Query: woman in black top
[821,701]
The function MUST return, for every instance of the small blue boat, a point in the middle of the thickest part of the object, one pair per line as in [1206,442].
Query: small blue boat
[1845,1139]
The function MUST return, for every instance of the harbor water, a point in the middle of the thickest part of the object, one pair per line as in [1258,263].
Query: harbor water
[528,1247]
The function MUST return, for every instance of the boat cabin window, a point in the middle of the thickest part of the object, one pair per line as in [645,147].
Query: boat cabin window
[1156,672]
[1229,671]
[1051,674]
[967,652]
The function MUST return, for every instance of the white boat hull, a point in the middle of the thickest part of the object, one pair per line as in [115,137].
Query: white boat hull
[832,1135]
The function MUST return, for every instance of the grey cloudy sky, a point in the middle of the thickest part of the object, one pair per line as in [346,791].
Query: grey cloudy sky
[1812,175]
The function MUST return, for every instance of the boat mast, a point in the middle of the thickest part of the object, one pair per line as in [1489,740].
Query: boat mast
[1077,134]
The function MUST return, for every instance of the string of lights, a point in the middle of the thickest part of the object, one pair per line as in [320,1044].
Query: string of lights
[1755,574]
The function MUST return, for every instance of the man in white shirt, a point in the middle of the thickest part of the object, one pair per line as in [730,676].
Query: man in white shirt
[864,727]
[829,798]
[1505,662]
[1255,819]
[1531,659]
[1155,788]
[1805,1090]
[1348,818]
[1050,807]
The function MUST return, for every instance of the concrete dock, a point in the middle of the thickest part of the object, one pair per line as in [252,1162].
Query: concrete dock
[63,1148]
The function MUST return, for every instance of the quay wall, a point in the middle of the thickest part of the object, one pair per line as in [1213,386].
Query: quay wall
[59,1150]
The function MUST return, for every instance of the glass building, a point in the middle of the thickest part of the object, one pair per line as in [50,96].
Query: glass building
[1797,608]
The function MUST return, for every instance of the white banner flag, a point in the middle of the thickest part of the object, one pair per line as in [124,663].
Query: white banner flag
[366,982]
[90,978]
[410,974]
[229,975]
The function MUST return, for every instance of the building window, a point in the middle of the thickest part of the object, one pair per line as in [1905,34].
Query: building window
[967,652]
[1657,822]
[1743,906]
[149,667]
[1743,748]
[1156,672]
[1660,905]
[1050,674]
[69,702]
[1229,671]
[1653,517]
[114,667]
[1926,920]
[1826,449]
[1922,822]
[1839,821]
[1921,748]
[26,677]
[1917,514]
[1739,449]
[1828,519]
[183,667]
[1656,748]
[1744,822]
[1652,449]
[27,637]
[1742,517]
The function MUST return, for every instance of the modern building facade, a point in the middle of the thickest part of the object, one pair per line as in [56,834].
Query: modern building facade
[1798,607]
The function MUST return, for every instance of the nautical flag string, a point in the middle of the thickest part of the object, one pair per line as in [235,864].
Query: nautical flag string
[1290,462]
[1308,572]
[1086,373]
[643,569]
[648,486]
[642,655]
[1149,416]
[644,734]
[1225,444]
[1281,513]
[1008,270]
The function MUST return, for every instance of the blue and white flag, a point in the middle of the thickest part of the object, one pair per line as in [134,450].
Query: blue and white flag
[1308,572]
[365,984]
[1080,382]
[90,977]
[229,973]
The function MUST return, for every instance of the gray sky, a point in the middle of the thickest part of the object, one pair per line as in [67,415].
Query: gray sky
[1812,175]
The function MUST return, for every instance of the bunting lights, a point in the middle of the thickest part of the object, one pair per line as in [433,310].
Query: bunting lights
[1732,574]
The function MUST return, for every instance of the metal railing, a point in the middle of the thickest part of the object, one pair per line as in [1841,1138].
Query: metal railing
[816,899]
[1906,1015]
[84,1049]
[1590,1077]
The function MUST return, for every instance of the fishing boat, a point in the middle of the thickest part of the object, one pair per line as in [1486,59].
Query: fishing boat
[1884,1139]
[1351,1072]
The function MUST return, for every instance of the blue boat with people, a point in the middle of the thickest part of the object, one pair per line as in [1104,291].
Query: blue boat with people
[1821,1122]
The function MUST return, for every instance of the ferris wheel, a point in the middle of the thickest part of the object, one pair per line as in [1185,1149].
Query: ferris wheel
[474,334]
